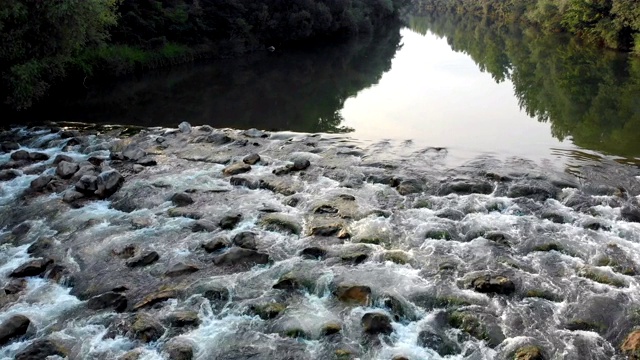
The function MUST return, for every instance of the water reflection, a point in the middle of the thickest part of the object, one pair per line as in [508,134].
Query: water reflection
[301,90]
[589,95]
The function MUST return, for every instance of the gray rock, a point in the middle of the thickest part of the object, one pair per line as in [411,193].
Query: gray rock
[630,212]
[20,155]
[216,245]
[88,184]
[496,284]
[245,240]
[41,247]
[108,183]
[21,229]
[72,196]
[181,199]
[442,345]
[229,222]
[15,286]
[241,257]
[9,147]
[37,156]
[7,175]
[133,153]
[240,181]
[66,169]
[41,349]
[185,127]
[109,300]
[218,139]
[301,164]
[184,318]
[204,226]
[61,157]
[144,260]
[180,269]
[146,328]
[255,133]
[251,159]
[13,327]
[179,349]
[147,161]
[41,182]
[31,268]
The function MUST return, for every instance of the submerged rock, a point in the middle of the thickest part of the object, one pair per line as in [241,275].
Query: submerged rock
[41,349]
[375,323]
[12,328]
[360,295]
[530,352]
[7,175]
[439,343]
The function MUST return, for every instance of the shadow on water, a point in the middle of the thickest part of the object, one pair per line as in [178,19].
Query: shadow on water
[301,90]
[587,94]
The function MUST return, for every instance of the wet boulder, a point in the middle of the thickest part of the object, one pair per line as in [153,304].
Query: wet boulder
[61,157]
[146,328]
[251,159]
[31,268]
[183,319]
[185,127]
[235,169]
[7,175]
[631,345]
[353,294]
[15,286]
[109,300]
[246,240]
[182,199]
[204,226]
[71,196]
[20,155]
[143,260]
[269,310]
[66,169]
[410,186]
[631,212]
[41,349]
[181,269]
[9,146]
[240,181]
[229,222]
[88,184]
[179,349]
[534,189]
[300,164]
[466,187]
[216,244]
[241,257]
[530,352]
[493,284]
[439,343]
[313,253]
[41,182]
[481,326]
[281,222]
[108,183]
[375,323]
[12,328]
[38,156]
[133,153]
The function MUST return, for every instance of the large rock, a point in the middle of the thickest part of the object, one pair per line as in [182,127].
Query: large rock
[109,300]
[495,284]
[179,349]
[241,257]
[66,169]
[631,346]
[185,127]
[20,155]
[230,221]
[630,212]
[281,222]
[146,328]
[236,169]
[41,182]
[184,318]
[375,323]
[181,199]
[12,328]
[442,345]
[31,268]
[530,352]
[38,156]
[9,146]
[88,184]
[41,349]
[7,175]
[61,157]
[251,159]
[216,244]
[246,240]
[108,183]
[41,247]
[133,153]
[144,260]
[204,226]
[360,295]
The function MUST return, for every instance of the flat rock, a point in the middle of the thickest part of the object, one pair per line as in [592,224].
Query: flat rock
[143,260]
[180,269]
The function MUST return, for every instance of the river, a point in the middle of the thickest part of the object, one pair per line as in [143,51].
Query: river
[452,189]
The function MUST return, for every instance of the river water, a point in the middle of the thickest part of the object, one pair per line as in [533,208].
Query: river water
[449,190]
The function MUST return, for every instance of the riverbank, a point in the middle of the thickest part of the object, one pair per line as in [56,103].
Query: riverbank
[209,243]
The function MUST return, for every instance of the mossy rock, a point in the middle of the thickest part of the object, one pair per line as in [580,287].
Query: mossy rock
[541,294]
[269,311]
[438,235]
[422,204]
[342,354]
[530,352]
[631,345]
[281,223]
[617,266]
[331,328]
[477,327]
[602,278]
[296,333]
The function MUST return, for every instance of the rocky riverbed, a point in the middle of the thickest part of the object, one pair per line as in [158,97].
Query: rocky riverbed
[201,243]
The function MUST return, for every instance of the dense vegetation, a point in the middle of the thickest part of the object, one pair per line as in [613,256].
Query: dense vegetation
[611,23]
[584,92]
[45,42]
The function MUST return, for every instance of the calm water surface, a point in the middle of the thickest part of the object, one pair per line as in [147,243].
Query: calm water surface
[471,87]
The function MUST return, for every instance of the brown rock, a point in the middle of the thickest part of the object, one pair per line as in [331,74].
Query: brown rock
[12,328]
[631,345]
[376,323]
[353,294]
[156,297]
[235,169]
